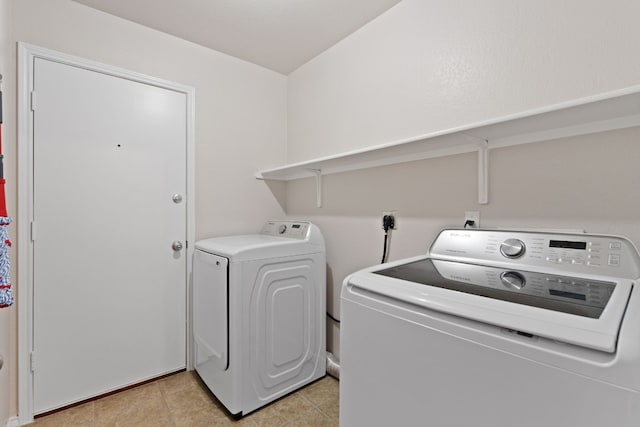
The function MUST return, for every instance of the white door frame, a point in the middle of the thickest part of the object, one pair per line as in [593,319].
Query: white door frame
[26,57]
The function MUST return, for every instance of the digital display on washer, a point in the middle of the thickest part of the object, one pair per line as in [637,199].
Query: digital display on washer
[581,297]
[565,244]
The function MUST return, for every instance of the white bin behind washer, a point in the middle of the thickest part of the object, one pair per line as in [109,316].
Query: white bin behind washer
[259,313]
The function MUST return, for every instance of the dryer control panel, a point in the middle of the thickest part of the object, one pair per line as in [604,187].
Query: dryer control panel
[290,229]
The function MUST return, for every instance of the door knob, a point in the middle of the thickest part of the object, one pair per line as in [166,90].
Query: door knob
[176,246]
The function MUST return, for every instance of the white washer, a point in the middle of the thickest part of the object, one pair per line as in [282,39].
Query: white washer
[259,313]
[495,329]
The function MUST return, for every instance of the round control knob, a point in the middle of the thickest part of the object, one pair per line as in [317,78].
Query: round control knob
[513,280]
[512,248]
[282,229]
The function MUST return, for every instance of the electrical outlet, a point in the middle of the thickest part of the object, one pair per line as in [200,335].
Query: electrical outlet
[394,214]
[472,216]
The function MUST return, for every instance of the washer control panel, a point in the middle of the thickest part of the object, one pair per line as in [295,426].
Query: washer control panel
[593,254]
[289,229]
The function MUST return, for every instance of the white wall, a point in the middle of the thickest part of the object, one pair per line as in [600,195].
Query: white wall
[429,66]
[240,118]
[426,66]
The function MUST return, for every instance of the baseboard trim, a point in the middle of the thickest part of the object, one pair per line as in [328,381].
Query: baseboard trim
[13,422]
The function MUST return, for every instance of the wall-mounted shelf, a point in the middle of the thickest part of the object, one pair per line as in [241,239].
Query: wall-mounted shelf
[608,111]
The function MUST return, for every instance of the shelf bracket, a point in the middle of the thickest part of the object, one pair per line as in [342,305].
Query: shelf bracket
[483,173]
[318,174]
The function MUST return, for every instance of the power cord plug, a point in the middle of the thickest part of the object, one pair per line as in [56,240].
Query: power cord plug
[388,222]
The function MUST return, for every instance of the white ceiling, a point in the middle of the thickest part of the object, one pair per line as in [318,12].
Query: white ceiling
[277,34]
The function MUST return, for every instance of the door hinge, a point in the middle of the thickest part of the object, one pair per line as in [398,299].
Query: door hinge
[32,361]
[33,101]
[32,231]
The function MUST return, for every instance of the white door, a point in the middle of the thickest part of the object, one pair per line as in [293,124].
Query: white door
[109,301]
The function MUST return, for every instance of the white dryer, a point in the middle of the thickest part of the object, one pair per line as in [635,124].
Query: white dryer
[259,313]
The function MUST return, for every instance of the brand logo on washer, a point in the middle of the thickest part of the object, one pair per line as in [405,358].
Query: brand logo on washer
[460,234]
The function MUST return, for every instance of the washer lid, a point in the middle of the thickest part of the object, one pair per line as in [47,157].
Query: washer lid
[547,308]
[572,295]
[277,239]
[255,246]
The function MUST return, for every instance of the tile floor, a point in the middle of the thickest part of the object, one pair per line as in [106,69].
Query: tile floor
[183,400]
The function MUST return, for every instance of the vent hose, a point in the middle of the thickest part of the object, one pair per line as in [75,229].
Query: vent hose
[333,366]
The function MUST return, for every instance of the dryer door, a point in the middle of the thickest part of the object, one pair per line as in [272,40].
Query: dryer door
[286,321]
[210,311]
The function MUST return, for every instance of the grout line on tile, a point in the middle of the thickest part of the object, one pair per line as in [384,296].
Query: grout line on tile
[166,405]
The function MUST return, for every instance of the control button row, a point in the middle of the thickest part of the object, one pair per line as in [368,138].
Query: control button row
[565,260]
